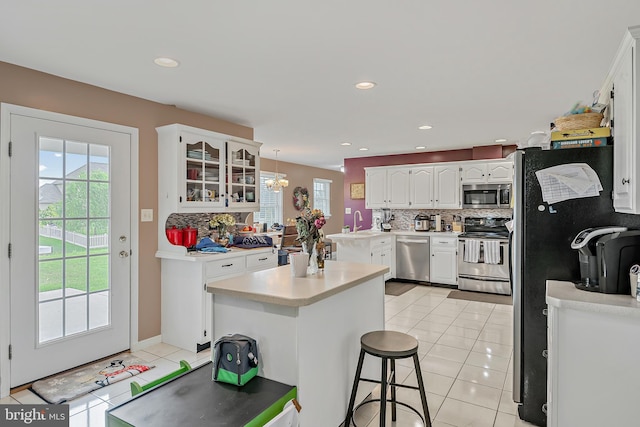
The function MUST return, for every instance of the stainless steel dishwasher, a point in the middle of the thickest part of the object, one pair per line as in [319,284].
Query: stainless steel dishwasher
[412,257]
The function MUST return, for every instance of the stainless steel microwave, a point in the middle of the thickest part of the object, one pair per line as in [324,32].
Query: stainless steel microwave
[486,196]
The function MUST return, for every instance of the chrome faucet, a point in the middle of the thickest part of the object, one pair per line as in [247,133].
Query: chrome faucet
[355,217]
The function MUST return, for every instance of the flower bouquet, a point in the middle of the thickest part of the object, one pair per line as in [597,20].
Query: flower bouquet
[308,225]
[220,222]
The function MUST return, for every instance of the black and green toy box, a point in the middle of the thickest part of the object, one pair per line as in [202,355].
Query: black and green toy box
[235,359]
[579,143]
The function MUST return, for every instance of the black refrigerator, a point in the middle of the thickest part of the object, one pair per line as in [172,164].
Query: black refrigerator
[540,251]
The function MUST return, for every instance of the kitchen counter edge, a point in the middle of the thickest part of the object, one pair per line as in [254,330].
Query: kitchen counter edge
[277,285]
[565,295]
[203,257]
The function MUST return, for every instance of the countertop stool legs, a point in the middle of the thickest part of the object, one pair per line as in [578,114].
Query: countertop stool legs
[389,346]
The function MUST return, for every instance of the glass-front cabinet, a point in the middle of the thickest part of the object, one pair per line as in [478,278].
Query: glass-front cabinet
[203,177]
[243,174]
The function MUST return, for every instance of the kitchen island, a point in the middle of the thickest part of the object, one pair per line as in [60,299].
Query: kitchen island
[308,329]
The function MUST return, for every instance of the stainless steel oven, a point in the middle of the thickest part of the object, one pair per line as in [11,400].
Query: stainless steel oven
[486,196]
[483,256]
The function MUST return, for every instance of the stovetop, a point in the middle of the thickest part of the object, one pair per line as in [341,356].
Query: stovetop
[485,235]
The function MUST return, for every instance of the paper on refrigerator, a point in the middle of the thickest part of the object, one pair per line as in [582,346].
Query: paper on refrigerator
[569,181]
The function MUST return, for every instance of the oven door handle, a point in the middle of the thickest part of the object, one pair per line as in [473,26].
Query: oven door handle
[483,279]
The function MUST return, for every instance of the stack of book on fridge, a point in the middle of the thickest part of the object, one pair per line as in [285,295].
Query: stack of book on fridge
[594,137]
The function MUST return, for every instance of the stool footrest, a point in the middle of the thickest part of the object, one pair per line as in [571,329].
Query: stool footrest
[412,387]
[397,402]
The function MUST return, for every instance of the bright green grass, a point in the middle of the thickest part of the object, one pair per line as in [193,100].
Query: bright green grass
[51,277]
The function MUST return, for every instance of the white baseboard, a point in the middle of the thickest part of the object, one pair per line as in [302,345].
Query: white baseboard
[141,345]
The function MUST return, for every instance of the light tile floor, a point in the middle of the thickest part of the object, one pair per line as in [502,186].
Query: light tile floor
[465,355]
[89,410]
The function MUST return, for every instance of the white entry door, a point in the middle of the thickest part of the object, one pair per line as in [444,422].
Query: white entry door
[70,226]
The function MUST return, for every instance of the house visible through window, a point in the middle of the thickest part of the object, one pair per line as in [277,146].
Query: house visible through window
[270,202]
[322,195]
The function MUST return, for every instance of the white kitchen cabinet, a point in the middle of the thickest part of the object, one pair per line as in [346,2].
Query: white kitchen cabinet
[186,305]
[191,169]
[375,188]
[367,248]
[421,187]
[486,172]
[593,347]
[444,260]
[387,187]
[408,187]
[383,252]
[447,186]
[622,92]
[243,175]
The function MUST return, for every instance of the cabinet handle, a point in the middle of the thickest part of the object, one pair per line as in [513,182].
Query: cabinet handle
[625,181]
[544,408]
[262,259]
[545,353]
[545,311]
[227,265]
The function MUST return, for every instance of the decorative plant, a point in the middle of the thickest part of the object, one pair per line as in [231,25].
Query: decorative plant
[308,225]
[220,222]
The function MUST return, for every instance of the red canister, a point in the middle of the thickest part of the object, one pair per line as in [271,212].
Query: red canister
[189,236]
[174,235]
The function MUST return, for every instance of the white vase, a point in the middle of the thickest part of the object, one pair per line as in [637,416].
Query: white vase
[313,261]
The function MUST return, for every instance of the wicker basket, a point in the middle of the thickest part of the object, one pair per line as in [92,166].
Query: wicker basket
[578,121]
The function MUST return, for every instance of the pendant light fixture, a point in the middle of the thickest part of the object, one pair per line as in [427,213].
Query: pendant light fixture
[276,183]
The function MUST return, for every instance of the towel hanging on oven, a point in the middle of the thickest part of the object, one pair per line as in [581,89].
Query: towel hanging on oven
[491,251]
[471,250]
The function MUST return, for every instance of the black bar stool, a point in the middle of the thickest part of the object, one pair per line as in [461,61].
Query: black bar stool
[389,346]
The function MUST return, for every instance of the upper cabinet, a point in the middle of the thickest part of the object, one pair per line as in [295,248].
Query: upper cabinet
[204,171]
[421,187]
[387,187]
[447,186]
[404,187]
[243,175]
[484,172]
[622,93]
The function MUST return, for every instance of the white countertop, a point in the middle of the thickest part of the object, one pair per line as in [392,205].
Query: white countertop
[203,257]
[278,286]
[370,234]
[566,295]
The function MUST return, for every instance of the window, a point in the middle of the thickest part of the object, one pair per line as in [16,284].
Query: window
[322,195]
[270,202]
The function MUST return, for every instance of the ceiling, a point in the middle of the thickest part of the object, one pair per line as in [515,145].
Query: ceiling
[474,70]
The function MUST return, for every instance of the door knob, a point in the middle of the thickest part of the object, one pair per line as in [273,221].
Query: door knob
[124,254]
[123,239]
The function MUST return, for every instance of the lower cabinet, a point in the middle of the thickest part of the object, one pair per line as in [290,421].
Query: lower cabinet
[367,248]
[186,305]
[593,349]
[382,252]
[444,260]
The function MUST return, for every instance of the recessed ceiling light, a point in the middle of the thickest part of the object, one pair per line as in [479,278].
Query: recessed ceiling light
[345,143]
[424,127]
[420,147]
[166,62]
[365,85]
[364,149]
[501,140]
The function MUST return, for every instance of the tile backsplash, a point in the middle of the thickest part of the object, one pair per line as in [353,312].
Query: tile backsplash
[200,221]
[403,218]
